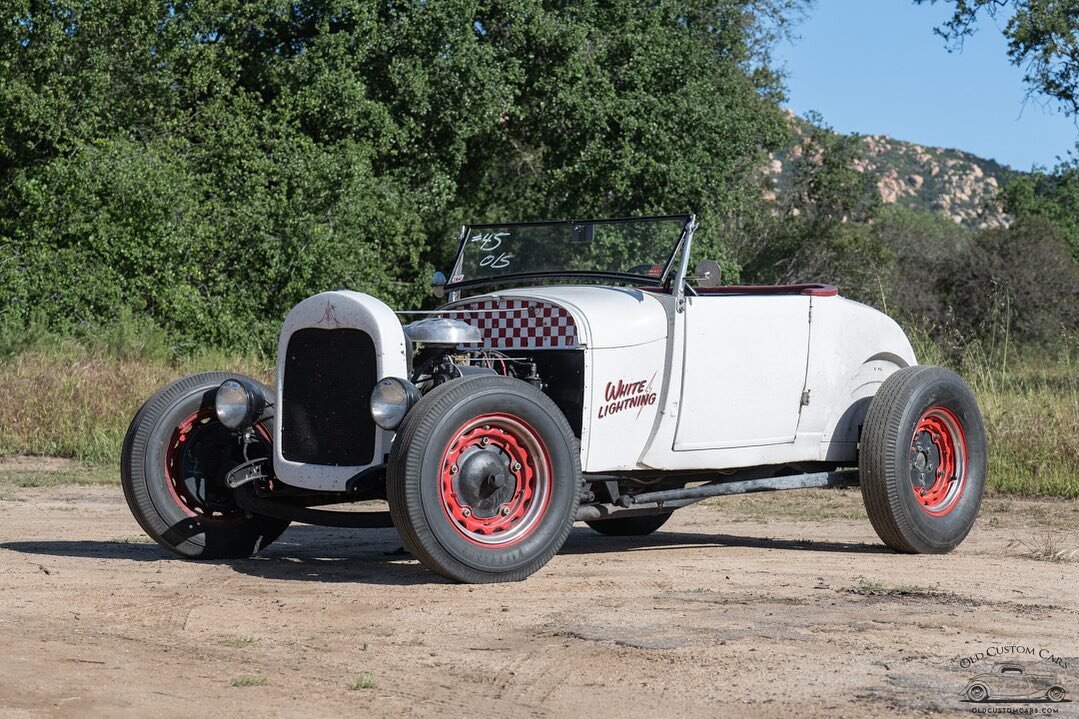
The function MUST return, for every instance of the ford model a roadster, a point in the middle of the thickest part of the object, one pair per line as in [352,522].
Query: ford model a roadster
[576,371]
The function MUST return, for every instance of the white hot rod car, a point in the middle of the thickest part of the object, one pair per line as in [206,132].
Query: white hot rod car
[576,371]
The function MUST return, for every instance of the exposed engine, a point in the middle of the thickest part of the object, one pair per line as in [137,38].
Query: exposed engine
[440,347]
[433,366]
[441,359]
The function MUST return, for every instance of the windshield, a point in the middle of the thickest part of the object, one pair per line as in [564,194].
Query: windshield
[638,250]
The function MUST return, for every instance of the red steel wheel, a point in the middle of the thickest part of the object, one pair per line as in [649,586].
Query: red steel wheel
[495,479]
[484,479]
[922,460]
[938,461]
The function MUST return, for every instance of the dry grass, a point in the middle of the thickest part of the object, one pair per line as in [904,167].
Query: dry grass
[1048,546]
[70,400]
[873,588]
[1032,418]
[66,399]
[1030,403]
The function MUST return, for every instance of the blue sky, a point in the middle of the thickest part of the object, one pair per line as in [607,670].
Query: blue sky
[875,67]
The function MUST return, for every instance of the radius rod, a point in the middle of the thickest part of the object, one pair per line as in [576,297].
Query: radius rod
[839,478]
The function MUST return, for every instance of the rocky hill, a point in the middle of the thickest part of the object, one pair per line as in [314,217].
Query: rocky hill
[960,185]
[953,182]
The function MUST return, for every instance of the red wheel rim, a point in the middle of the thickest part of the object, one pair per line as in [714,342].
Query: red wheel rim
[195,495]
[938,461]
[495,479]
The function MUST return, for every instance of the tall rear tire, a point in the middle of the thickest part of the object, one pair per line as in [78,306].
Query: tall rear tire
[923,460]
[173,465]
[484,479]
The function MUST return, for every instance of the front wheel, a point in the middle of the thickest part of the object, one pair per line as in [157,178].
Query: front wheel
[923,460]
[172,469]
[484,480]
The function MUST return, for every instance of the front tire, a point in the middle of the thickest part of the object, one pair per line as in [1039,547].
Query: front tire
[923,460]
[484,480]
[172,468]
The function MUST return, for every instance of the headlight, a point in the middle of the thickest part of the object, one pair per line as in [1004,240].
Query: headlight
[238,403]
[391,399]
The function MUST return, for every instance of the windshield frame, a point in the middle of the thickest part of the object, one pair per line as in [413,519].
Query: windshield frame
[662,280]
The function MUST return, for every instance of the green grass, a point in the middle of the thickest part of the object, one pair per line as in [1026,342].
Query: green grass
[63,398]
[237,640]
[1032,418]
[73,474]
[1030,402]
[873,588]
[246,680]
[362,683]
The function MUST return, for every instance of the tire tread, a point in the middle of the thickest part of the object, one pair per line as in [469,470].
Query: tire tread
[401,493]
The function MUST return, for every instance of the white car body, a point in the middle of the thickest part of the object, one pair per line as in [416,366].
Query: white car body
[732,377]
[588,378]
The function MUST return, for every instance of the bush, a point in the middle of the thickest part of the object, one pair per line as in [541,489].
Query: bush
[1020,283]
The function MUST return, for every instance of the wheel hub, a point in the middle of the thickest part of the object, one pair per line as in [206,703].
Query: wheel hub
[200,453]
[484,482]
[495,479]
[938,461]
[924,461]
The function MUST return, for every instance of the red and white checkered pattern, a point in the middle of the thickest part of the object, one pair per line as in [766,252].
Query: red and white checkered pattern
[518,324]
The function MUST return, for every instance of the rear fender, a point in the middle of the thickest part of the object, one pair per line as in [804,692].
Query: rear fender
[841,434]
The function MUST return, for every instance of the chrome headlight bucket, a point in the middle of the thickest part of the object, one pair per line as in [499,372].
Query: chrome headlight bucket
[238,403]
[391,399]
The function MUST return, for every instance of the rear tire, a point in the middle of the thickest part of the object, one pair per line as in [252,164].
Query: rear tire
[630,526]
[923,460]
[172,468]
[484,479]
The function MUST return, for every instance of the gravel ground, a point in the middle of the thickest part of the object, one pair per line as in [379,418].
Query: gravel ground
[762,606]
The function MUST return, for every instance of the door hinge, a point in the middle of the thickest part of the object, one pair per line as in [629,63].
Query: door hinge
[805,397]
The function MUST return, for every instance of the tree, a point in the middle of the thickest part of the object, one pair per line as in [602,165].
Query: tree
[1042,39]
[207,164]
[821,228]
[1017,282]
[1053,196]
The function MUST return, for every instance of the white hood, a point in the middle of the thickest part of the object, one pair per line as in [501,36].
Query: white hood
[604,316]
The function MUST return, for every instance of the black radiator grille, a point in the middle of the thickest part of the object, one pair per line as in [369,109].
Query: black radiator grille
[326,418]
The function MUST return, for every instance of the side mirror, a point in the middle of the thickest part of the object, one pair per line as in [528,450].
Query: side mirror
[708,273]
[438,285]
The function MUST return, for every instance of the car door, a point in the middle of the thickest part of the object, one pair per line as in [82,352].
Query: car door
[744,370]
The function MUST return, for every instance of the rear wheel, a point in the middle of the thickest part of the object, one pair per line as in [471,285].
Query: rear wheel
[923,460]
[630,526]
[484,480]
[173,465]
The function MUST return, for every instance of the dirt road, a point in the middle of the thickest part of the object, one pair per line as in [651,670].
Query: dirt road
[762,606]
